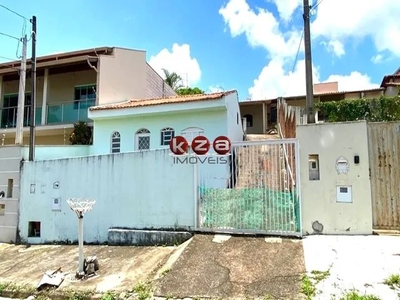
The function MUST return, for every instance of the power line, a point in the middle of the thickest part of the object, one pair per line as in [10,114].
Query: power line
[14,12]
[298,51]
[10,36]
[4,57]
[316,5]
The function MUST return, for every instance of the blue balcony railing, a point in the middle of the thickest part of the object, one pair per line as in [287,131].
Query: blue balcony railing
[9,116]
[57,113]
[69,112]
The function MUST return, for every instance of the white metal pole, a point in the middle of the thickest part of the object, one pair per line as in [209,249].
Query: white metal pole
[21,96]
[80,238]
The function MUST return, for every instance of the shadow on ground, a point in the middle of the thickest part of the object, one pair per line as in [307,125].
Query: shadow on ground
[237,267]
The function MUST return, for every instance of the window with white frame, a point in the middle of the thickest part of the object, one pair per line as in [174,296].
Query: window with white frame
[142,139]
[115,142]
[191,132]
[167,134]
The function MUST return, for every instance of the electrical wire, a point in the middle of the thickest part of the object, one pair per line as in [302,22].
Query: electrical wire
[10,36]
[316,5]
[12,11]
[298,51]
[4,57]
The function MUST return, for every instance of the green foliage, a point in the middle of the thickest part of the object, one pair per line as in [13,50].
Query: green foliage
[353,295]
[374,110]
[173,80]
[189,91]
[82,134]
[143,291]
[393,281]
[108,296]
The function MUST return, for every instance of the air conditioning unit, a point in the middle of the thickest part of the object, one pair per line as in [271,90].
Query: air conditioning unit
[56,203]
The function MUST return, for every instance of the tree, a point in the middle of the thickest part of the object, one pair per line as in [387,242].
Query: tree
[189,91]
[173,80]
[82,134]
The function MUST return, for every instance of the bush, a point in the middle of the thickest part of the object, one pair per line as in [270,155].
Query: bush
[374,110]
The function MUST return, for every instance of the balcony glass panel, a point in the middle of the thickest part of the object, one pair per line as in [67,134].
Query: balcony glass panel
[69,112]
[9,116]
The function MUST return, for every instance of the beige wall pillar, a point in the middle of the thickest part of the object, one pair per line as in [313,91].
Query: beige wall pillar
[264,118]
[45,92]
[1,90]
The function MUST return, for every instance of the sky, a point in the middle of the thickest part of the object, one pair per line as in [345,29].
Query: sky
[253,46]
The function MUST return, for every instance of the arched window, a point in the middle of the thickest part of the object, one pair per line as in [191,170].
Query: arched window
[191,132]
[249,120]
[143,139]
[167,134]
[115,142]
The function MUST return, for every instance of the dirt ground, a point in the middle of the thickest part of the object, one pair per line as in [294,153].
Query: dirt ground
[120,267]
[240,267]
[206,266]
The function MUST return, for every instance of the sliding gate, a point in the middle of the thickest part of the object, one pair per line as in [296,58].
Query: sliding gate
[254,190]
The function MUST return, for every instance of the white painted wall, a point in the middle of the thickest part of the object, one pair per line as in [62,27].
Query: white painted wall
[136,190]
[56,152]
[331,141]
[213,123]
[234,119]
[10,159]
[122,76]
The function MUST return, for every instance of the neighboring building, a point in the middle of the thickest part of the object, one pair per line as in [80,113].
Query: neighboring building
[69,83]
[261,115]
[391,83]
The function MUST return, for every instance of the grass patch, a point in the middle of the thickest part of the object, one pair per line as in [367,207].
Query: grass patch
[109,296]
[393,281]
[353,295]
[308,283]
[143,291]
[165,272]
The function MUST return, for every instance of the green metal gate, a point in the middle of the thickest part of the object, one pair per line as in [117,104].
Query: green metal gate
[257,191]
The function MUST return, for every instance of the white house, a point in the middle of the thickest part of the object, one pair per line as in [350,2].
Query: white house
[149,124]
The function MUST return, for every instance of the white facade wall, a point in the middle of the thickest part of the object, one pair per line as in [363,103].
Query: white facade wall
[234,118]
[134,190]
[214,123]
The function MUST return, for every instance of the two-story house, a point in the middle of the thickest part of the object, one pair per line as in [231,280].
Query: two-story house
[262,114]
[68,84]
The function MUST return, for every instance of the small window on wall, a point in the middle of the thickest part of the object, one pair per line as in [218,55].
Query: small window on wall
[2,209]
[249,120]
[167,134]
[34,229]
[115,142]
[313,167]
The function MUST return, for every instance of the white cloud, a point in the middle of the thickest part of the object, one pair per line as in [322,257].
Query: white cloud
[377,58]
[335,47]
[261,29]
[178,61]
[340,20]
[286,8]
[274,81]
[352,82]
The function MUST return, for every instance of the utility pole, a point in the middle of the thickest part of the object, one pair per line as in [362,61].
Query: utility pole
[308,61]
[19,134]
[33,95]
